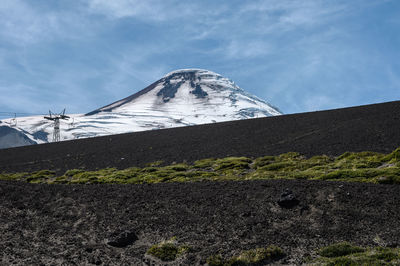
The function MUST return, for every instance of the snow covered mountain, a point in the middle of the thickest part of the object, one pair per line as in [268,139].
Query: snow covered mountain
[181,98]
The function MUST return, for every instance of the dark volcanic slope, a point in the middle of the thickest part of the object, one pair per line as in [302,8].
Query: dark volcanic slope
[56,224]
[372,127]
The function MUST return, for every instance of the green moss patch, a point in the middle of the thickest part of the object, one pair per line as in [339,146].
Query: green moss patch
[253,257]
[339,249]
[168,250]
[347,254]
[354,167]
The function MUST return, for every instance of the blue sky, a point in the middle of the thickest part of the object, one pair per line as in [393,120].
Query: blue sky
[298,55]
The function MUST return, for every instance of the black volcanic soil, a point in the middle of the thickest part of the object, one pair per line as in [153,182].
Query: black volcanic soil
[55,224]
[371,127]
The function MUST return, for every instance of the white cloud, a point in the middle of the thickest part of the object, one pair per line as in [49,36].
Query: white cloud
[24,25]
[250,30]
[246,49]
[283,15]
[20,23]
[245,30]
[121,8]
[149,10]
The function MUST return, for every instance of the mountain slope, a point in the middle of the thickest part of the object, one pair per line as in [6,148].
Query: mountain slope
[181,98]
[10,137]
[333,132]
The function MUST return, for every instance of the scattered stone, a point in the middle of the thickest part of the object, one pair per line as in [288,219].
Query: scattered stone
[94,260]
[122,239]
[246,214]
[287,199]
[304,209]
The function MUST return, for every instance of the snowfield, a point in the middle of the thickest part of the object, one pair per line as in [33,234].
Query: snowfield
[181,98]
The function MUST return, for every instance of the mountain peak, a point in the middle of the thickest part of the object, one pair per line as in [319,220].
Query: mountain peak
[193,87]
[189,71]
[183,97]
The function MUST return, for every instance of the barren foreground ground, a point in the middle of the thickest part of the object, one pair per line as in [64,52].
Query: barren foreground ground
[71,224]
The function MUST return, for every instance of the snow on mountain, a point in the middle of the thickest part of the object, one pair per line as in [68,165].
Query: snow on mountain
[181,98]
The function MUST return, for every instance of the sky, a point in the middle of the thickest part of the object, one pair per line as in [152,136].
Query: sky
[300,56]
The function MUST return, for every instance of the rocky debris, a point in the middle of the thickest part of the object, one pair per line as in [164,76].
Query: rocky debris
[94,260]
[151,261]
[121,239]
[287,199]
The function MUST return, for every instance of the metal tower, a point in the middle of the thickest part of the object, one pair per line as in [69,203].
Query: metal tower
[56,118]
